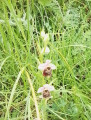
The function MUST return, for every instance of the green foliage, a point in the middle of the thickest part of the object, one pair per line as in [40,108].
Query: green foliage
[45,2]
[68,23]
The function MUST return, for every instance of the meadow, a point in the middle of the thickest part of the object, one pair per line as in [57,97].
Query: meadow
[45,59]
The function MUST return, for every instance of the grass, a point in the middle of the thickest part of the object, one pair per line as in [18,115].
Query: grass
[68,24]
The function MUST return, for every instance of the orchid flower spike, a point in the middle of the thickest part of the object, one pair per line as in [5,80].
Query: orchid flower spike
[47,68]
[46,51]
[45,90]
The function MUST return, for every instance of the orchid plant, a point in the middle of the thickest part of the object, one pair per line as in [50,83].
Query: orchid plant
[46,69]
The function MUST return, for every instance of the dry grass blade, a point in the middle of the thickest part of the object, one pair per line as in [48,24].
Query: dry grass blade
[34,96]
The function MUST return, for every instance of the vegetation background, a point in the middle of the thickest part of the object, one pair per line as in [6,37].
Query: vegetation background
[68,23]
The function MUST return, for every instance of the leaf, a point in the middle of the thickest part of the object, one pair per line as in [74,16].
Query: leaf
[45,2]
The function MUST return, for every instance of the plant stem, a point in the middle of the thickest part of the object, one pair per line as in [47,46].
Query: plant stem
[44,102]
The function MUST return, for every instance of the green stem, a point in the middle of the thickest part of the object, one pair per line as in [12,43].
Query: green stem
[44,113]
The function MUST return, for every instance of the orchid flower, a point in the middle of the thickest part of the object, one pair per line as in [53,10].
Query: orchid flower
[44,36]
[47,68]
[45,90]
[47,50]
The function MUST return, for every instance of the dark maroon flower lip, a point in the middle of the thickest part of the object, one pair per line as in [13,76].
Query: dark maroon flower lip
[46,94]
[47,72]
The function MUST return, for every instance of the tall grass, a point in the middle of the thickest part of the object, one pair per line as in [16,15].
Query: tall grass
[68,24]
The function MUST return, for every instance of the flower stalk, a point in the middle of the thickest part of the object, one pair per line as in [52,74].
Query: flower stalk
[44,108]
